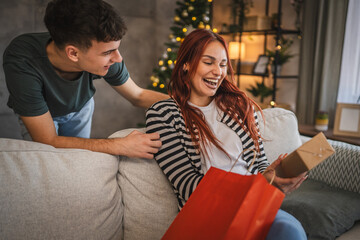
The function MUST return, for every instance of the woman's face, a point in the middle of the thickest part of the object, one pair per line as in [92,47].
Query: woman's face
[209,74]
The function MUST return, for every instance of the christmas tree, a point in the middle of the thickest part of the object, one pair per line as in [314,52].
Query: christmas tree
[190,15]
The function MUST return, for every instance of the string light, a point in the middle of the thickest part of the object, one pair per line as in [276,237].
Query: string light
[184,30]
[178,39]
[168,49]
[272,103]
[193,18]
[170,62]
[162,85]
[154,84]
[161,62]
[215,30]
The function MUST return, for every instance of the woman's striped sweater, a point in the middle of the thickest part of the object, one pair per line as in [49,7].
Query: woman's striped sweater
[178,158]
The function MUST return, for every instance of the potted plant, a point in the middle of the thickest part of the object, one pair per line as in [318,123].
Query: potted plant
[260,90]
[284,55]
[322,121]
[239,9]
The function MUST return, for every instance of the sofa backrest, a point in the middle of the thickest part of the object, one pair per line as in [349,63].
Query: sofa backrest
[149,202]
[49,193]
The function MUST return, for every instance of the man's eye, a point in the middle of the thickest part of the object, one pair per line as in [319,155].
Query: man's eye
[107,53]
[224,65]
[208,63]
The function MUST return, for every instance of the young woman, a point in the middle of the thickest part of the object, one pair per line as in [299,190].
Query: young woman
[207,122]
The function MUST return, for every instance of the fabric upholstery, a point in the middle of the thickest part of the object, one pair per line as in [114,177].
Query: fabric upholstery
[49,193]
[280,133]
[341,170]
[325,212]
[150,204]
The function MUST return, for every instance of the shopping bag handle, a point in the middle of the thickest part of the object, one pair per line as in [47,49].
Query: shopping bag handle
[252,163]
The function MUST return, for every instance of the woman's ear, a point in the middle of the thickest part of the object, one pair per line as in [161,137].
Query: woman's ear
[186,67]
[72,52]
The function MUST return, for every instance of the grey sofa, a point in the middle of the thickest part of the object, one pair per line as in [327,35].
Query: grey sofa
[48,193]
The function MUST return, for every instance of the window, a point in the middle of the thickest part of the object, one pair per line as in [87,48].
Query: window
[349,85]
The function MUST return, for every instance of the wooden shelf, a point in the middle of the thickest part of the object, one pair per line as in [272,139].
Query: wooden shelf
[263,32]
[309,130]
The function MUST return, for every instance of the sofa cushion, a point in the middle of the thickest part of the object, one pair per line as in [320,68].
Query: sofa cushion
[280,132]
[341,170]
[49,193]
[325,212]
[150,204]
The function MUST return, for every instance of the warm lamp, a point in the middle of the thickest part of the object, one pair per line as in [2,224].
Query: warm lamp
[235,48]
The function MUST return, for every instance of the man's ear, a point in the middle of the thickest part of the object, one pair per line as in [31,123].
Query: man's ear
[72,52]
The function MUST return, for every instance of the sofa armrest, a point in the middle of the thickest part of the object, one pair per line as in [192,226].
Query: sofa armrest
[341,170]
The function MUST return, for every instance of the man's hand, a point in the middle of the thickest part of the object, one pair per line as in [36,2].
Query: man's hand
[138,144]
[287,185]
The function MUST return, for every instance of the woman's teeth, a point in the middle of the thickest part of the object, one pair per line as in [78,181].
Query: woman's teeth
[211,81]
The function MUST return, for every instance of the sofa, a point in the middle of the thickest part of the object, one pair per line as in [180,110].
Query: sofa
[49,193]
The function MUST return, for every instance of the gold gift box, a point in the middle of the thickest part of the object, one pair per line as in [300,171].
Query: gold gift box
[306,157]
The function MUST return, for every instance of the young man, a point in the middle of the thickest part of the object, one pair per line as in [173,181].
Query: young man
[49,77]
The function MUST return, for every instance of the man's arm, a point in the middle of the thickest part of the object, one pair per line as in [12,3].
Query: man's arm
[136,144]
[138,96]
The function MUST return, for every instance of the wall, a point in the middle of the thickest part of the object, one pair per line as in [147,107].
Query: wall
[148,24]
[254,46]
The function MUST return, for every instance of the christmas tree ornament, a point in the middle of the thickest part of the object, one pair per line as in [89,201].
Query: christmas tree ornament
[206,18]
[201,25]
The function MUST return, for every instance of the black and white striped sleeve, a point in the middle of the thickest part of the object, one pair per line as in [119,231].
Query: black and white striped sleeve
[262,162]
[177,156]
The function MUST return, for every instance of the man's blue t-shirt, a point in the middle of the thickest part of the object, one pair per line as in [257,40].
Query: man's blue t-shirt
[36,88]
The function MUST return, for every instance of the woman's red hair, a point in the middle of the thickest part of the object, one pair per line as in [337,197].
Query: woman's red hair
[228,97]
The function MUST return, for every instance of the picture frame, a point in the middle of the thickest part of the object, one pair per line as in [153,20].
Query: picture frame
[261,65]
[347,120]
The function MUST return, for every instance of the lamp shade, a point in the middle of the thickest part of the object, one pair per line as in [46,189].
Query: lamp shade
[237,49]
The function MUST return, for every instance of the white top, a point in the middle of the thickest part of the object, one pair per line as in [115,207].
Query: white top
[231,143]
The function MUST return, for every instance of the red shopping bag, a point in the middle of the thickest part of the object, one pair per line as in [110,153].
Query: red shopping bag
[227,205]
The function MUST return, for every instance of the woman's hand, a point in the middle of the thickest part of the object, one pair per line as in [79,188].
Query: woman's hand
[287,185]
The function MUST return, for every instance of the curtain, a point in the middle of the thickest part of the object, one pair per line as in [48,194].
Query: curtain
[349,87]
[321,51]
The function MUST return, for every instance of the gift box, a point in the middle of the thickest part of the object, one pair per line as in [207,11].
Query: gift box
[306,157]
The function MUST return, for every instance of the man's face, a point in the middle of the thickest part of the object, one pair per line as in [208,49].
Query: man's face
[99,57]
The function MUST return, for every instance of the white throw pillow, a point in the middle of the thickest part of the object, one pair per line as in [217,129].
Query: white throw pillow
[150,204]
[281,134]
